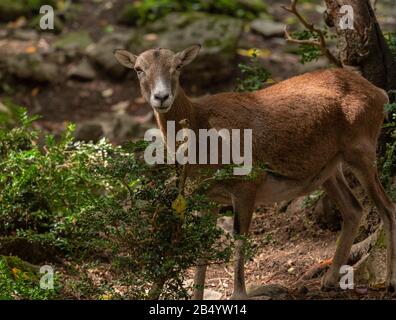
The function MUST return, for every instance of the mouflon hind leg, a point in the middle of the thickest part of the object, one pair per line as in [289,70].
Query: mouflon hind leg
[362,160]
[338,190]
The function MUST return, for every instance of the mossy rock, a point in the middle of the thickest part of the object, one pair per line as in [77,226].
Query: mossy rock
[21,280]
[35,23]
[30,67]
[12,9]
[31,251]
[101,53]
[74,41]
[14,262]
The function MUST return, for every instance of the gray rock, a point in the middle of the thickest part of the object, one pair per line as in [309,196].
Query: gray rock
[4,33]
[82,71]
[268,28]
[101,53]
[89,131]
[226,224]
[117,126]
[25,34]
[74,42]
[212,295]
[218,34]
[273,291]
[31,66]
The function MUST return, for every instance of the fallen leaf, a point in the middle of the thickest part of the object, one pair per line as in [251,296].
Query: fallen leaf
[31,49]
[151,37]
[107,93]
[180,205]
[35,91]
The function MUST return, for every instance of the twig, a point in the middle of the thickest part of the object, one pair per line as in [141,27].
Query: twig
[320,43]
[375,5]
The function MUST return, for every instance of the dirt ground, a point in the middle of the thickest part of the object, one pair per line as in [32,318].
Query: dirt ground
[287,247]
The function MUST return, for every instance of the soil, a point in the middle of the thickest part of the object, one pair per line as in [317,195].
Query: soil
[288,245]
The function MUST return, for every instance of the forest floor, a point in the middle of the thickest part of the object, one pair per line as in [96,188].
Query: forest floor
[288,246]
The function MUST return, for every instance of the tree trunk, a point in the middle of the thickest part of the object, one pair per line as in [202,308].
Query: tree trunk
[363,47]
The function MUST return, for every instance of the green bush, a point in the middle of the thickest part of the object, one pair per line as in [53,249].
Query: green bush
[94,200]
[254,76]
[391,41]
[12,9]
[141,12]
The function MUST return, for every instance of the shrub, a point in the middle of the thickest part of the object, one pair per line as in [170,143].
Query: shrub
[12,9]
[141,12]
[254,76]
[391,41]
[96,200]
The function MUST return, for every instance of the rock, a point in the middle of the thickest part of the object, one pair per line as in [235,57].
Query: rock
[295,206]
[58,24]
[82,71]
[4,109]
[260,298]
[226,224]
[28,250]
[74,42]
[117,126]
[268,28]
[25,34]
[321,63]
[218,34]
[4,33]
[373,270]
[212,295]
[101,53]
[89,131]
[15,262]
[272,290]
[32,67]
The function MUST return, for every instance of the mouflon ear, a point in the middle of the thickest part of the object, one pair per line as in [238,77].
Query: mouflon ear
[126,58]
[189,54]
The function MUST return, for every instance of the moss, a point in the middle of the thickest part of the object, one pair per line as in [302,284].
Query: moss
[35,23]
[14,262]
[381,241]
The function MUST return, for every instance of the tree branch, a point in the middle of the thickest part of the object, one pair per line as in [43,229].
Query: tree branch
[321,43]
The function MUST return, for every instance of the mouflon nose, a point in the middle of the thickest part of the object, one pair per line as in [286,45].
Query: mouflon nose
[161,97]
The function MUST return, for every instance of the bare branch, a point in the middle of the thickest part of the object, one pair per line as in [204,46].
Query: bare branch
[290,39]
[320,43]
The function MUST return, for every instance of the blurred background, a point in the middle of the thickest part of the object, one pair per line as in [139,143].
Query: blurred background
[69,74]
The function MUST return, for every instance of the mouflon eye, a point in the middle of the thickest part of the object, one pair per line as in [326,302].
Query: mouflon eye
[179,67]
[139,71]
